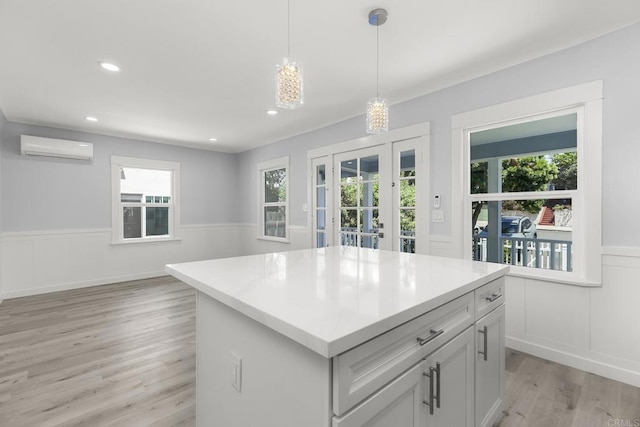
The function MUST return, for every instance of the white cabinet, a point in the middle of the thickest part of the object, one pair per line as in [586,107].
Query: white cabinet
[490,367]
[399,404]
[449,397]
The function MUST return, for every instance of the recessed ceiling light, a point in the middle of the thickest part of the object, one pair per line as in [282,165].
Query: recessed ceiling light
[213,139]
[272,112]
[109,66]
[91,118]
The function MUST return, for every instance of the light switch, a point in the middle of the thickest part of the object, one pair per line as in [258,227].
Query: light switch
[437,215]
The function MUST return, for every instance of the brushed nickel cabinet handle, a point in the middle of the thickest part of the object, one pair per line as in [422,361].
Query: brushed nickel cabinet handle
[434,334]
[431,396]
[483,331]
[493,297]
[437,396]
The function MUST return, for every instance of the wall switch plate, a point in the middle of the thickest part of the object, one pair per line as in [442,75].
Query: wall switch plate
[236,371]
[305,207]
[437,215]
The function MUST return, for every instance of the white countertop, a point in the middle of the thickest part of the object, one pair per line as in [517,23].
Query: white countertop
[335,298]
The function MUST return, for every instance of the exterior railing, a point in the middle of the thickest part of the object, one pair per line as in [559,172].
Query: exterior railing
[535,253]
[349,237]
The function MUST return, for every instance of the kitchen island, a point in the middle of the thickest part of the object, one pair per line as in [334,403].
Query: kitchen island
[347,336]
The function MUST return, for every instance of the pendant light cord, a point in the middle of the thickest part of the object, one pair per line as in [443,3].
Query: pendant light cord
[377,58]
[288,28]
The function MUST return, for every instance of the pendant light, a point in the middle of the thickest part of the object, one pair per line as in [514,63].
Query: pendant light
[289,93]
[377,108]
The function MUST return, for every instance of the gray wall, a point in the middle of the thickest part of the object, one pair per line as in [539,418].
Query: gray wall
[607,58]
[3,126]
[43,193]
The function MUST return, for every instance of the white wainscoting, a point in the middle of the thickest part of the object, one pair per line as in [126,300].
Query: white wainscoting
[594,329]
[48,261]
[299,238]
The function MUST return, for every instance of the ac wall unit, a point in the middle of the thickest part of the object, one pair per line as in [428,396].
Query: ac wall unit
[37,146]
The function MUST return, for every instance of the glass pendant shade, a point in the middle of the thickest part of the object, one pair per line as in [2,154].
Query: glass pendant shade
[289,92]
[377,115]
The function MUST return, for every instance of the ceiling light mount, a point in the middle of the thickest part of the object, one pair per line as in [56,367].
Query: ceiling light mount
[377,108]
[378,17]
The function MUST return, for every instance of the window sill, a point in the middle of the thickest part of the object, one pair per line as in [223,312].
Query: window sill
[146,241]
[274,239]
[552,277]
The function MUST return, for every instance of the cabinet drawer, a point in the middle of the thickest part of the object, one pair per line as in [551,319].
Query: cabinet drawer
[488,297]
[361,371]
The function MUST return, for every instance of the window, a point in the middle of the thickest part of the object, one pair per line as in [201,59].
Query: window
[530,168]
[273,215]
[527,191]
[145,199]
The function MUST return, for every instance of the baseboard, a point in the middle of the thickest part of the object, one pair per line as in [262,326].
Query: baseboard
[80,284]
[589,365]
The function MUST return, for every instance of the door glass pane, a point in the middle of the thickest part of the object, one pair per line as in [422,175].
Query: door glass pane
[408,245]
[407,222]
[408,192]
[369,194]
[320,175]
[349,239]
[132,222]
[321,202]
[369,220]
[369,241]
[321,239]
[349,220]
[275,221]
[369,168]
[408,163]
[275,185]
[349,195]
[348,171]
[157,221]
[321,219]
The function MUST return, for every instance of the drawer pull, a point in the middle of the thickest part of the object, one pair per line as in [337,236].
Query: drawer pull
[434,334]
[483,331]
[437,396]
[434,377]
[493,297]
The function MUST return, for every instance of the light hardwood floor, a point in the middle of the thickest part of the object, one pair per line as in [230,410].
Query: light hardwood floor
[124,355]
[543,393]
[114,355]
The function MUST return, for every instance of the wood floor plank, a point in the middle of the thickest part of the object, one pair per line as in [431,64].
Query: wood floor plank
[91,356]
[540,393]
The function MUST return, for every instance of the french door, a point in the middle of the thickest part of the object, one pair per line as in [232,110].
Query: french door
[369,198]
[362,182]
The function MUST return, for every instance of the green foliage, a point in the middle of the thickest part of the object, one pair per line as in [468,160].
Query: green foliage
[275,185]
[567,164]
[526,174]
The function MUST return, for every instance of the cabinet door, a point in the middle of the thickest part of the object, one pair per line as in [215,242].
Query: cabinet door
[399,404]
[490,367]
[452,387]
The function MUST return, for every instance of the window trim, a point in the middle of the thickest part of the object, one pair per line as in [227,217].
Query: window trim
[270,165]
[587,236]
[118,162]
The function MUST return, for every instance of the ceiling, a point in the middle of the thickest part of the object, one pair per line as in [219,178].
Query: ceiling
[197,69]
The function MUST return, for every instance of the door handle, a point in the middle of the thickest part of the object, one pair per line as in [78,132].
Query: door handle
[381,235]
